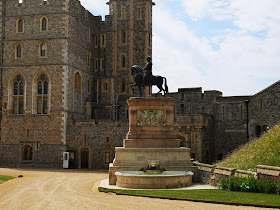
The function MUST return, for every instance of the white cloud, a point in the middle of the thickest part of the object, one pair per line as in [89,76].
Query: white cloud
[244,64]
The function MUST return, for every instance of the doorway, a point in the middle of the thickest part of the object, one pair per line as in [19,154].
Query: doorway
[84,158]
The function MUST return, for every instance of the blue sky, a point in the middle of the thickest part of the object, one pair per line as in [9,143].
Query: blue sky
[228,45]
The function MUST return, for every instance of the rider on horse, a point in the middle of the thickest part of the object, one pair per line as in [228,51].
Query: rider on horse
[148,77]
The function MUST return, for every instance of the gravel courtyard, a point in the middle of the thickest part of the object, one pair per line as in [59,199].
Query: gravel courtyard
[73,189]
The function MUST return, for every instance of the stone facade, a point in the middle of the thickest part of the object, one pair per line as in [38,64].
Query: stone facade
[65,80]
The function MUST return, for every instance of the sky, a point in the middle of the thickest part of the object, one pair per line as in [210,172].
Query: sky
[228,45]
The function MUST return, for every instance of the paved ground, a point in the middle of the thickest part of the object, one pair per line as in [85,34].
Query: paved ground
[64,189]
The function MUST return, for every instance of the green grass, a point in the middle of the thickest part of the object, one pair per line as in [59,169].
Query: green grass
[262,151]
[215,196]
[5,178]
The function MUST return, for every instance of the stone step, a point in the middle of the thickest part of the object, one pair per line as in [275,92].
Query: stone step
[151,136]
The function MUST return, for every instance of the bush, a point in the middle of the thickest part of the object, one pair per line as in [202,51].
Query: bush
[250,184]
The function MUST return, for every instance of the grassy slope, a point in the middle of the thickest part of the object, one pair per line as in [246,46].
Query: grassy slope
[5,178]
[262,151]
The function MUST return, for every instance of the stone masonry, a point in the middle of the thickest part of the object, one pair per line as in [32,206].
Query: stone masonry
[84,63]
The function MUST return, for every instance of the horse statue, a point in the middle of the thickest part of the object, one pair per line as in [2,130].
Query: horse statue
[140,80]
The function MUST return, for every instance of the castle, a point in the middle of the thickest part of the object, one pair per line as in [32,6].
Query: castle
[65,79]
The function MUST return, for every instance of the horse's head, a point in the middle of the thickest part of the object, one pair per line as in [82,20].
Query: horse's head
[136,70]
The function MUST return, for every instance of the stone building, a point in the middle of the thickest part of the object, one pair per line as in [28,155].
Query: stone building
[65,78]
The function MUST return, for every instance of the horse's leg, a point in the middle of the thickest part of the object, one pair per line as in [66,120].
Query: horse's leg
[132,85]
[139,86]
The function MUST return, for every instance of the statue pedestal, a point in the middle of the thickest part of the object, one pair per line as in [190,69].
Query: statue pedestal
[150,138]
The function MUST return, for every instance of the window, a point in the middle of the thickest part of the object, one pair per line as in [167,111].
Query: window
[107,139]
[43,49]
[44,24]
[18,95]
[122,86]
[123,61]
[20,25]
[27,153]
[85,139]
[123,37]
[96,41]
[18,50]
[102,64]
[27,133]
[258,131]
[78,81]
[96,64]
[123,13]
[42,94]
[105,86]
[139,13]
[107,157]
[103,40]
[89,57]
[89,85]
[89,35]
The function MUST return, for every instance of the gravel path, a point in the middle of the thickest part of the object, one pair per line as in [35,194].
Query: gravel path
[72,189]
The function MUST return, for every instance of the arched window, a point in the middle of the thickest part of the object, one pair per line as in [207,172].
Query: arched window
[27,153]
[18,95]
[122,86]
[44,24]
[123,60]
[20,25]
[78,81]
[43,49]
[18,50]
[42,94]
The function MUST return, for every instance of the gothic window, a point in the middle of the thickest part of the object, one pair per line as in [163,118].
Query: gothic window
[96,41]
[107,157]
[20,25]
[122,86]
[123,37]
[123,60]
[18,50]
[105,86]
[18,95]
[139,13]
[42,94]
[43,49]
[101,63]
[44,24]
[78,81]
[123,13]
[103,40]
[27,153]
[89,58]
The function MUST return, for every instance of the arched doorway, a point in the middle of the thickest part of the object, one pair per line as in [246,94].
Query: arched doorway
[84,158]
[258,131]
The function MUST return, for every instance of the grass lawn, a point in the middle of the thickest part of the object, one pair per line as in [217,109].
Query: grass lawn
[216,196]
[5,178]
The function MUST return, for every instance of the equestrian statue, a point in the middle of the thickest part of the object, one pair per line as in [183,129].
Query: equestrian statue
[145,77]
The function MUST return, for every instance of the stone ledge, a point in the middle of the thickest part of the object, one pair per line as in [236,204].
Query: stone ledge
[268,170]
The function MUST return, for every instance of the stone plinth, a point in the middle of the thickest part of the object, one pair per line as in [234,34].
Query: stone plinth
[151,137]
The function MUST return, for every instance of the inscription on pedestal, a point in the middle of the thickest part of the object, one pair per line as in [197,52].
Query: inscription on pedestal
[151,117]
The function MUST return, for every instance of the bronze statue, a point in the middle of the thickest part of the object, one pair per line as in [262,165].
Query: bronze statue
[144,77]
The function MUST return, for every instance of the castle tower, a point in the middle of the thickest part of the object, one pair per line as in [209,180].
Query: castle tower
[131,44]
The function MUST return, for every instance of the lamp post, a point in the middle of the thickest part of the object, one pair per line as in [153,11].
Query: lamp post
[247,119]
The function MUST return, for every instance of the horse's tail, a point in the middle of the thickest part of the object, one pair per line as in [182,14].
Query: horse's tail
[165,83]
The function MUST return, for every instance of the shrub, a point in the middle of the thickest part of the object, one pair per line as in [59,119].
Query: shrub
[250,184]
